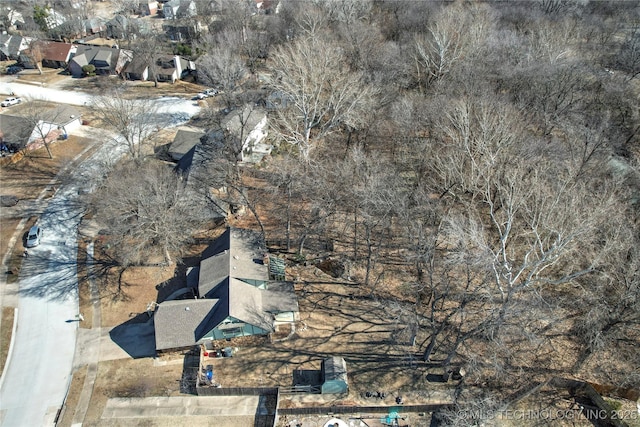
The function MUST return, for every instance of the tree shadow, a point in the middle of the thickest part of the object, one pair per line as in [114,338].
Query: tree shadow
[190,367]
[49,273]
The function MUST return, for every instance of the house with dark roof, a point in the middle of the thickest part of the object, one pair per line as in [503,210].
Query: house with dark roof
[32,132]
[167,69]
[53,54]
[175,9]
[12,45]
[172,68]
[118,27]
[137,69]
[11,19]
[233,296]
[108,61]
[94,26]
[15,130]
[186,138]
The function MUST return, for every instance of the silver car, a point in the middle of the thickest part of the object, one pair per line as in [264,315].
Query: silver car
[34,236]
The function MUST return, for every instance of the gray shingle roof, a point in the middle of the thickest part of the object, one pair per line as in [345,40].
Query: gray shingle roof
[177,322]
[237,253]
[14,129]
[228,273]
[184,141]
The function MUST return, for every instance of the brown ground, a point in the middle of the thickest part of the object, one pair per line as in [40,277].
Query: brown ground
[6,329]
[72,397]
[135,89]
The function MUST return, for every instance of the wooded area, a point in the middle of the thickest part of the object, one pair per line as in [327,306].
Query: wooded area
[477,160]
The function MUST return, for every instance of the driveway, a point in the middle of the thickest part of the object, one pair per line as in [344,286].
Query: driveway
[38,372]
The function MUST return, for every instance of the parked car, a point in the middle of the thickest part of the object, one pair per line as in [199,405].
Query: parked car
[202,95]
[13,69]
[8,201]
[210,92]
[11,101]
[34,236]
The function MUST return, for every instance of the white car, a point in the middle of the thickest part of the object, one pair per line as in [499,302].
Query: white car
[11,101]
[34,236]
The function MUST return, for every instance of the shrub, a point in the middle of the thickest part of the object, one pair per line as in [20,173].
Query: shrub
[89,70]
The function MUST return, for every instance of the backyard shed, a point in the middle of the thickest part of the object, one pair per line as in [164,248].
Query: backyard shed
[334,375]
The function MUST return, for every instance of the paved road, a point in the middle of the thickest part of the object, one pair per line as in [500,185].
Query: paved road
[38,372]
[170,110]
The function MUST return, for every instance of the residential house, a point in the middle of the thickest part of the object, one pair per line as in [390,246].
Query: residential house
[54,19]
[11,46]
[54,54]
[168,69]
[108,61]
[15,130]
[53,124]
[233,296]
[148,8]
[175,9]
[250,124]
[118,27]
[137,69]
[186,138]
[95,26]
[32,132]
[183,30]
[11,20]
[172,68]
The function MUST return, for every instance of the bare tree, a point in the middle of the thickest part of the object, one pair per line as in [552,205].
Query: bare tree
[455,33]
[148,211]
[322,95]
[132,120]
[628,56]
[222,65]
[148,49]
[44,123]
[610,300]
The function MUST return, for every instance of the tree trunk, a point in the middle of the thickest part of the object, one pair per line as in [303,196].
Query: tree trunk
[301,244]
[355,234]
[46,146]
[288,232]
[426,356]
[367,231]
[167,256]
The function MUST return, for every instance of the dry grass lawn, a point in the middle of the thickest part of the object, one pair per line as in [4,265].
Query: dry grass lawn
[6,330]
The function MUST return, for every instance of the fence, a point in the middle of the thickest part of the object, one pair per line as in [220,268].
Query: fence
[300,389]
[319,410]
[236,391]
